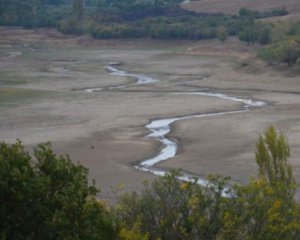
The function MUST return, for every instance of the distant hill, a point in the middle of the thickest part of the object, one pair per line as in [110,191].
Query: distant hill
[233,6]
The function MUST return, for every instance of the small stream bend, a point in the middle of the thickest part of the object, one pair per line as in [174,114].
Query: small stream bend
[160,128]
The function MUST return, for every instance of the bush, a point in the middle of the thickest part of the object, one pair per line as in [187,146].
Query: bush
[286,51]
[295,29]
[265,35]
[71,26]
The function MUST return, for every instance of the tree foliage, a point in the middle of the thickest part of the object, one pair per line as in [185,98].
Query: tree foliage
[295,28]
[222,34]
[264,209]
[272,152]
[48,197]
[265,35]
[172,209]
[105,19]
[45,196]
[285,51]
[78,9]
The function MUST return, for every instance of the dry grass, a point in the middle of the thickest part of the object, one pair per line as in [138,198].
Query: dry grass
[233,6]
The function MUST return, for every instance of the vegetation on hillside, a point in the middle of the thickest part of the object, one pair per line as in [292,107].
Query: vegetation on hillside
[285,47]
[158,19]
[45,196]
[105,19]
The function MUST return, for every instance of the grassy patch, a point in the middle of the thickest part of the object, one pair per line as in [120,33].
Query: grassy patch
[47,53]
[17,96]
[10,78]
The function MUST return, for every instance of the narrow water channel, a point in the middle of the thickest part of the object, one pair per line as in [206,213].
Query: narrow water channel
[113,70]
[160,128]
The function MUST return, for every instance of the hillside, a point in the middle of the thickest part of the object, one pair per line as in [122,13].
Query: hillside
[233,6]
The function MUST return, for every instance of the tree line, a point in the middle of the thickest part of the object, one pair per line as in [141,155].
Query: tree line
[158,19]
[167,20]
[46,196]
[105,19]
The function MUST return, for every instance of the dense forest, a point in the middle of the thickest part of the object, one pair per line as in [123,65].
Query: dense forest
[133,19]
[48,197]
[158,19]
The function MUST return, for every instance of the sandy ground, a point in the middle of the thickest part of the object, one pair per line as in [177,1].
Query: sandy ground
[41,99]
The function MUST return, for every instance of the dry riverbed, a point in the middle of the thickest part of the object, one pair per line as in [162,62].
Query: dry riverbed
[42,98]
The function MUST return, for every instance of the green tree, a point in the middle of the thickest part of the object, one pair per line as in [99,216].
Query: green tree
[48,197]
[249,33]
[18,12]
[272,152]
[78,9]
[295,28]
[258,212]
[268,55]
[286,51]
[265,35]
[44,196]
[264,209]
[222,34]
[289,51]
[172,209]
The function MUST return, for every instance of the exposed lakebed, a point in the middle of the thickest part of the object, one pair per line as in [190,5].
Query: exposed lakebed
[160,128]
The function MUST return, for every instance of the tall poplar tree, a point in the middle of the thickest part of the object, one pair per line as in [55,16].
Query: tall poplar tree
[272,152]
[78,9]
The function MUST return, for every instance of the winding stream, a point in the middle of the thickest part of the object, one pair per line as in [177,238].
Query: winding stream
[160,128]
[112,68]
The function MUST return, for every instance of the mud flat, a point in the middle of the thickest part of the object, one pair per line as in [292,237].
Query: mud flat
[43,98]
